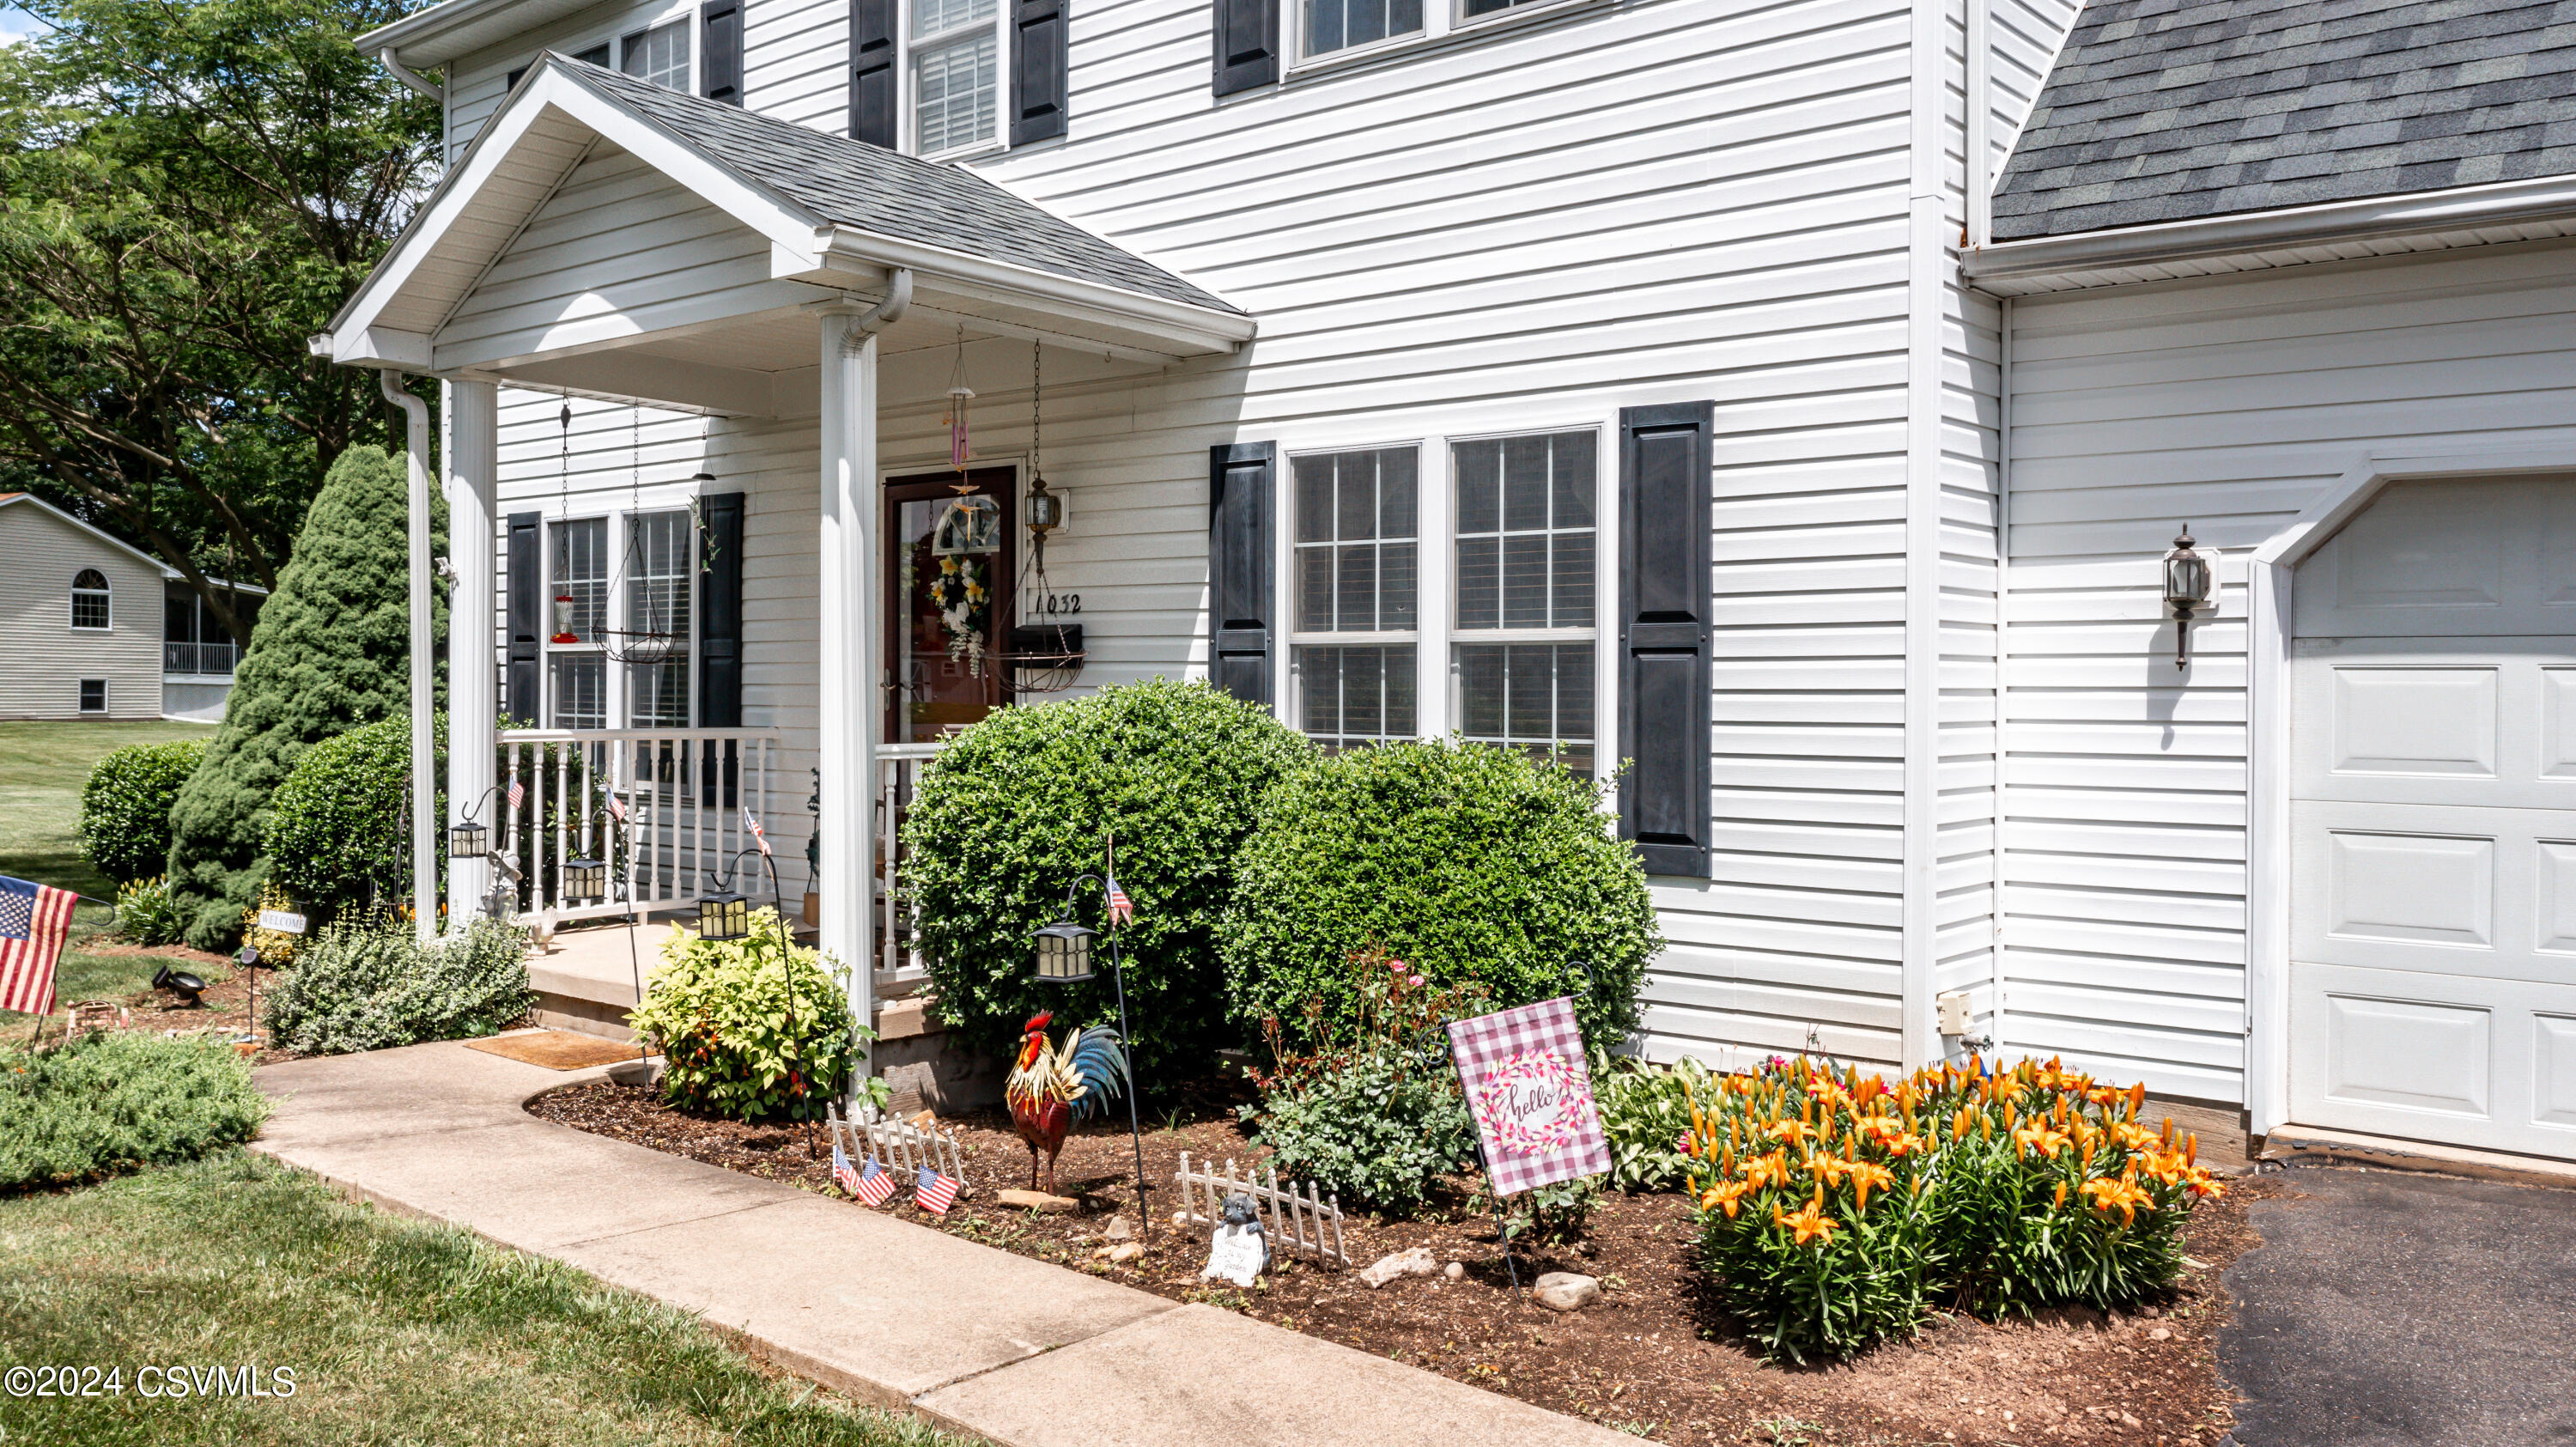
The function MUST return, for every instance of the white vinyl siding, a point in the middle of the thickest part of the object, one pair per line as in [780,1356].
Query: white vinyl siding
[49,657]
[2229,404]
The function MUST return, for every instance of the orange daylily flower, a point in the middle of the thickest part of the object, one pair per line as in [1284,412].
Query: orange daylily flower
[1724,1196]
[2041,1137]
[1867,1177]
[1810,1222]
[2124,1195]
[1789,1132]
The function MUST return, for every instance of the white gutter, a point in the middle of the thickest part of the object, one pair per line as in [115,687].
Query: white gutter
[898,300]
[424,755]
[2544,198]
[412,78]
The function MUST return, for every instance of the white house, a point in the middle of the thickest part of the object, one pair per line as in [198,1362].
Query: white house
[96,628]
[1649,378]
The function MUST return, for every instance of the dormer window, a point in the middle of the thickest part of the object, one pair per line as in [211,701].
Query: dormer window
[90,600]
[660,55]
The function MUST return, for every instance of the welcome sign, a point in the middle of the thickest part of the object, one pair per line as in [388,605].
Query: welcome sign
[1531,1093]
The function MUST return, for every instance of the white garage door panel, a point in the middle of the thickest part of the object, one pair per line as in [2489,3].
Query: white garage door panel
[2485,1064]
[2433,820]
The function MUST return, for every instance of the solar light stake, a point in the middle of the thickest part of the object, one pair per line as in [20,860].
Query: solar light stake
[1064,958]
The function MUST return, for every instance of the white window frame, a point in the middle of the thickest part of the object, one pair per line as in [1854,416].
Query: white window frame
[80,696]
[616,704]
[907,86]
[688,45]
[1441,19]
[106,590]
[1436,691]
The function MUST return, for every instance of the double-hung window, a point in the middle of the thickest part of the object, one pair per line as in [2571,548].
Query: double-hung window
[1526,630]
[956,70]
[577,618]
[660,55]
[90,599]
[645,602]
[1357,618]
[662,561]
[1333,25]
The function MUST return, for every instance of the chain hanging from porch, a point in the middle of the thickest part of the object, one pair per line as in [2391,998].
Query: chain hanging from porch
[964,540]
[1045,657]
[656,617]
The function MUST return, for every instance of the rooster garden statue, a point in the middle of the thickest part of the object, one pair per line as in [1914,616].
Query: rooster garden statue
[1052,1086]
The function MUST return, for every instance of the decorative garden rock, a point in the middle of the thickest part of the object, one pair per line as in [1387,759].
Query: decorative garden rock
[1038,1201]
[1239,1249]
[1416,1262]
[1565,1291]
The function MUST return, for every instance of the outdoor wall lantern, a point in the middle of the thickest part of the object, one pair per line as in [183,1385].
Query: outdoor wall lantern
[2188,580]
[1064,952]
[468,840]
[725,916]
[585,878]
[1045,509]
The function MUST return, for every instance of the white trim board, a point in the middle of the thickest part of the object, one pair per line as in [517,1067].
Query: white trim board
[2270,575]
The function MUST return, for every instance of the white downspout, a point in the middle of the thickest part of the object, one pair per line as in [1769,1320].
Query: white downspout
[411,78]
[424,755]
[846,741]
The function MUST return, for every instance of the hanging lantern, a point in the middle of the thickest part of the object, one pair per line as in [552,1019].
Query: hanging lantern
[1064,952]
[725,916]
[585,879]
[468,840]
[1045,509]
[2188,584]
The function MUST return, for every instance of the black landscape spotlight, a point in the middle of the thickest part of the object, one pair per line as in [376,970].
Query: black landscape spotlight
[185,986]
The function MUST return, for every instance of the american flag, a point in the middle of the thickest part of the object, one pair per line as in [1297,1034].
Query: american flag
[518,795]
[1122,910]
[617,808]
[933,1192]
[844,1174]
[34,921]
[759,835]
[876,1183]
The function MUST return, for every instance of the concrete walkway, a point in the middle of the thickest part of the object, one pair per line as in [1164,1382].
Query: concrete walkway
[2388,1309]
[1018,1351]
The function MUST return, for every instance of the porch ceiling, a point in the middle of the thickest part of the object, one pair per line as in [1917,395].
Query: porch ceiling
[771,219]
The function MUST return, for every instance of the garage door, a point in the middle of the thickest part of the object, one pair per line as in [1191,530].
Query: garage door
[2433,820]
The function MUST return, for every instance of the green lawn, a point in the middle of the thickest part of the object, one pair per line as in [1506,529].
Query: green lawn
[397,1331]
[42,769]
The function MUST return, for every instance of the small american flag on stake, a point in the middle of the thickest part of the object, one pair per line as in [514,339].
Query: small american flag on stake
[518,794]
[617,808]
[759,835]
[34,921]
[876,1183]
[843,1174]
[1122,910]
[933,1192]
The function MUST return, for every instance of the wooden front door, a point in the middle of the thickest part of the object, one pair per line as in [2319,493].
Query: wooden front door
[949,584]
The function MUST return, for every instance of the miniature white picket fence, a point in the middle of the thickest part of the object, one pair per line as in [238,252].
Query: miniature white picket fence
[900,1146]
[1288,1220]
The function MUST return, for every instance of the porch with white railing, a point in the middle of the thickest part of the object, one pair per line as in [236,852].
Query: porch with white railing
[666,810]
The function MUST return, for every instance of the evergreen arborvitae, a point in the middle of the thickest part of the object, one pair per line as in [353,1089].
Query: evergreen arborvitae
[332,651]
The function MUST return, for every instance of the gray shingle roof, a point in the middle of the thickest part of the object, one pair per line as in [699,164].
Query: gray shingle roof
[851,183]
[2166,110]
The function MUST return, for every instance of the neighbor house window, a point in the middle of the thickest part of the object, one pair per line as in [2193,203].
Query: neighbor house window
[1356,616]
[89,599]
[1340,24]
[660,55]
[576,616]
[956,73]
[1525,636]
[661,561]
[93,695]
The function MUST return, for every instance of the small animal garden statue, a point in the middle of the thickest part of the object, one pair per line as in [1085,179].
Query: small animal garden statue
[1052,1086]
[1240,1249]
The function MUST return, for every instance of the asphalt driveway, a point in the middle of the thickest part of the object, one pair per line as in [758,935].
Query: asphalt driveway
[2388,1309]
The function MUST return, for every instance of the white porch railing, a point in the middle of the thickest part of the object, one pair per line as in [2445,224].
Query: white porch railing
[899,769]
[683,791]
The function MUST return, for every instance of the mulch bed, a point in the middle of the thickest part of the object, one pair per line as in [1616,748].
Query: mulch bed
[1655,1356]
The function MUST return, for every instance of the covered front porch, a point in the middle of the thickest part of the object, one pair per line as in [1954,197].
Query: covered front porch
[711,530]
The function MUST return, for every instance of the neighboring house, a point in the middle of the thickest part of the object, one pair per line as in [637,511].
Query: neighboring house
[1595,377]
[96,628]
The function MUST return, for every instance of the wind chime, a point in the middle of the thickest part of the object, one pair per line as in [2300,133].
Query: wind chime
[967,532]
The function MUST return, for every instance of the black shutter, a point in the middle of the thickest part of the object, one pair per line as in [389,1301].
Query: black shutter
[1247,44]
[720,610]
[872,57]
[527,606]
[1665,587]
[720,51]
[1239,485]
[1037,70]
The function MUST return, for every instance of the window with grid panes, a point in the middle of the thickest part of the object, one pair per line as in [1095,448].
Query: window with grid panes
[1340,24]
[660,55]
[1355,566]
[577,605]
[660,566]
[1525,638]
[956,73]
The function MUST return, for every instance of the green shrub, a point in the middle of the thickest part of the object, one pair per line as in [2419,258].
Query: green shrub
[1013,813]
[1474,862]
[146,914]
[115,1100]
[335,828]
[125,807]
[1832,1206]
[1645,1116]
[752,1028]
[332,651]
[366,983]
[1550,1215]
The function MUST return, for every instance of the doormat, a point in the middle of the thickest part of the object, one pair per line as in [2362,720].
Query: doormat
[558,1049]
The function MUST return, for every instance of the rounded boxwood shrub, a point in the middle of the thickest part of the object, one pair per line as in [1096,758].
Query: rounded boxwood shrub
[125,807]
[337,825]
[750,1028]
[1473,862]
[1014,811]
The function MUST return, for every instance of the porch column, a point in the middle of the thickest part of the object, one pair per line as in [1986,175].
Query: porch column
[847,724]
[472,458]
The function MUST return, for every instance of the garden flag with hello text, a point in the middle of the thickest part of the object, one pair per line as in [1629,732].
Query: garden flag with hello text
[35,919]
[1531,1093]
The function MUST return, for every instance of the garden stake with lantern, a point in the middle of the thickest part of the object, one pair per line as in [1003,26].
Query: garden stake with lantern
[1064,958]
